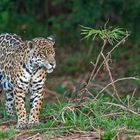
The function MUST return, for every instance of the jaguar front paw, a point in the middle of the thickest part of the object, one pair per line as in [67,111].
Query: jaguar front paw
[21,125]
[32,123]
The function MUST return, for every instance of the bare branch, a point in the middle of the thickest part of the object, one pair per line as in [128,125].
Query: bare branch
[120,79]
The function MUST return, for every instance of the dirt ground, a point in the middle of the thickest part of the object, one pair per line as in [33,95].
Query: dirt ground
[38,136]
[77,136]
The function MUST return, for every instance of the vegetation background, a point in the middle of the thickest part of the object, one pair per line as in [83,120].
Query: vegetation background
[63,18]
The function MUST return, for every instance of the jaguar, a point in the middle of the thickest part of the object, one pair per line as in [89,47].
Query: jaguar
[24,66]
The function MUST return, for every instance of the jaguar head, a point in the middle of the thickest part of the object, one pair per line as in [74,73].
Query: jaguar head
[43,53]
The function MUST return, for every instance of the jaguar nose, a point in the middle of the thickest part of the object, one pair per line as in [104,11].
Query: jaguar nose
[52,63]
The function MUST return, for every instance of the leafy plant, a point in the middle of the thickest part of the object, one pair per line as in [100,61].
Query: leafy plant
[111,35]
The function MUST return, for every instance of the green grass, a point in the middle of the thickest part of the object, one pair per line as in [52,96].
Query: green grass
[64,117]
[7,134]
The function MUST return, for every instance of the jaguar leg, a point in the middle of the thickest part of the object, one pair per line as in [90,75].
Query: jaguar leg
[38,90]
[19,98]
[9,103]
[1,92]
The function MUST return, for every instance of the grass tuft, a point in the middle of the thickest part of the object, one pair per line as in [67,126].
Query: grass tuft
[88,116]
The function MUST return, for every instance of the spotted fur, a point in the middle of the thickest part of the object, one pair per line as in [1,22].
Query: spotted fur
[23,68]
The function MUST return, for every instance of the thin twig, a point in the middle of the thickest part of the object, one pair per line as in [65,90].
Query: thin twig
[8,122]
[112,114]
[101,87]
[20,133]
[132,131]
[134,91]
[45,129]
[122,107]
[65,109]
[108,54]
[97,61]
[111,77]
[116,136]
[109,72]
[120,79]
[120,42]
[34,137]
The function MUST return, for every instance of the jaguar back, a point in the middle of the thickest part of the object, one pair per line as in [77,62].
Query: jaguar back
[8,43]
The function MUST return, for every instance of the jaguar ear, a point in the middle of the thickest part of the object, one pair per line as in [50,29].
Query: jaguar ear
[51,38]
[31,47]
[31,44]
